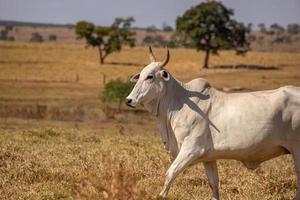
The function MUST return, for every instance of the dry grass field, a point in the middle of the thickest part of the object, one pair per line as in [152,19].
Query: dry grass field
[56,143]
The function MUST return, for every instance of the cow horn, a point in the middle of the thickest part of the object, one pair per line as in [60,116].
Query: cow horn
[166,60]
[151,55]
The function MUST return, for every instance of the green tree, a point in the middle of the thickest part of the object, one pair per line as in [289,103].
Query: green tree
[209,27]
[107,39]
[276,29]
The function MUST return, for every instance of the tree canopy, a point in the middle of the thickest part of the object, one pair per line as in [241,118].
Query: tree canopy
[293,28]
[209,26]
[107,39]
[276,29]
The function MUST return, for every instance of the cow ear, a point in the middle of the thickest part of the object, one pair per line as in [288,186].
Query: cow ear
[164,75]
[134,78]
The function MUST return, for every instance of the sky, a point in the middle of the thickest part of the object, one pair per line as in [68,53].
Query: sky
[145,12]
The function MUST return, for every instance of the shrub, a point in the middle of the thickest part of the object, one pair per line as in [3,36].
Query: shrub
[167,28]
[114,91]
[152,29]
[148,40]
[282,39]
[36,37]
[11,38]
[52,38]
[293,28]
[9,27]
[159,41]
[3,35]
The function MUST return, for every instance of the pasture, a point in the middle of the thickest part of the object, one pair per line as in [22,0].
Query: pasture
[56,143]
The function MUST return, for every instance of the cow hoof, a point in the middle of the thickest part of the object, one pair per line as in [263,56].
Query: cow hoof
[297,197]
[162,196]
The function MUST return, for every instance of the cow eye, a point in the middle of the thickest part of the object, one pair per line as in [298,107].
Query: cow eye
[149,77]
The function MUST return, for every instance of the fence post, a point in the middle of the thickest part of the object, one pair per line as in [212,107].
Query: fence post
[103,79]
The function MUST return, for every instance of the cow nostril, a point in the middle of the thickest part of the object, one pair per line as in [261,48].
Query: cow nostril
[128,101]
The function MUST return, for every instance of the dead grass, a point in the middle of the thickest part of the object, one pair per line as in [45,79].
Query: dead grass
[62,63]
[54,163]
[91,157]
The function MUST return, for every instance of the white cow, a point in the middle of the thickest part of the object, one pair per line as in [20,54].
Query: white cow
[198,123]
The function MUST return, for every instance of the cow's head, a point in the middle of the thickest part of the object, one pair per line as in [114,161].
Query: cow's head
[150,84]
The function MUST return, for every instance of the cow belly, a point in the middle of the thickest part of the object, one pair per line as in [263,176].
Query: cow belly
[255,154]
[251,129]
[252,161]
[254,143]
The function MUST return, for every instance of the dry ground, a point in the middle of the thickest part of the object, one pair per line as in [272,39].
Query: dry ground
[55,142]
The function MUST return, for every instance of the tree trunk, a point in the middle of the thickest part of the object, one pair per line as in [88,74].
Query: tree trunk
[207,52]
[101,57]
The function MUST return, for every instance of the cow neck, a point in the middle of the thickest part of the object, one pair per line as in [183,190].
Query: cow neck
[171,98]
[168,104]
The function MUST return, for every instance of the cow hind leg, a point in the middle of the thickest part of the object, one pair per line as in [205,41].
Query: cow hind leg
[213,178]
[296,157]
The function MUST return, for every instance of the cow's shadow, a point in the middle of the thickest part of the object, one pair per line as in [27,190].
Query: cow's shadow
[192,105]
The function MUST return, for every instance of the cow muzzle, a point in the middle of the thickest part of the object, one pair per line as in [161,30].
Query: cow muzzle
[129,102]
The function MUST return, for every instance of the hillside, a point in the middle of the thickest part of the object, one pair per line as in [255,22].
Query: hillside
[22,31]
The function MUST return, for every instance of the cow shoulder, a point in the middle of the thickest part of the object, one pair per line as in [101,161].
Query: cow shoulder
[198,84]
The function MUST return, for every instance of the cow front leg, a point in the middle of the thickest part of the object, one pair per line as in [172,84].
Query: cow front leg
[211,171]
[183,159]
